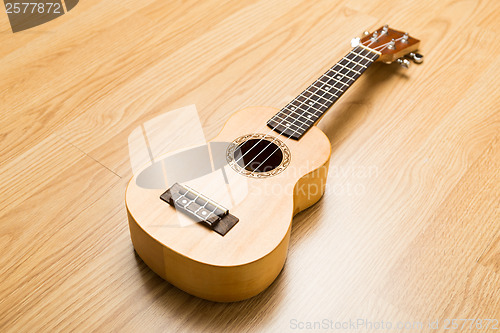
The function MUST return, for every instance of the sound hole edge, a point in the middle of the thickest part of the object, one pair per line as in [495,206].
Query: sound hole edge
[258,155]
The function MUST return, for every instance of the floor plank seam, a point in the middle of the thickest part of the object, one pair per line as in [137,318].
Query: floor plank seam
[89,156]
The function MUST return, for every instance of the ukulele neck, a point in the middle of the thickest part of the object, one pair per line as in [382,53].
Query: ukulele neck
[295,119]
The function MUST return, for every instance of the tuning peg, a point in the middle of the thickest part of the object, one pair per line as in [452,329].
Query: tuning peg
[405,38]
[385,29]
[417,57]
[355,42]
[392,44]
[365,33]
[404,62]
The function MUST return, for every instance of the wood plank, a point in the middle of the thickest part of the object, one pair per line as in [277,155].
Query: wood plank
[447,251]
[48,188]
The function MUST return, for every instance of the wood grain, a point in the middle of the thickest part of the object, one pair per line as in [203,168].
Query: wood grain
[408,229]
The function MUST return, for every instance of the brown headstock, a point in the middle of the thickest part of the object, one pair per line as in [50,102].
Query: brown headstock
[391,44]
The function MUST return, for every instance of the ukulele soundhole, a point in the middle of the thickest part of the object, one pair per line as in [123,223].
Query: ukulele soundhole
[258,155]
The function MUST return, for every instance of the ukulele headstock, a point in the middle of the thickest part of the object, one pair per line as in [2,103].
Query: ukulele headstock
[393,45]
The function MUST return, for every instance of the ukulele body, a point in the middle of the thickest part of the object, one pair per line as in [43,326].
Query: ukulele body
[247,259]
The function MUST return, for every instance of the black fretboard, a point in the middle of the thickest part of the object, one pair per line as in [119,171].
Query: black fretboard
[304,111]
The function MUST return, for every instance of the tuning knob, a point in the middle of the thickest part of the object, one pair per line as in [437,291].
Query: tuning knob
[417,57]
[404,62]
[355,42]
[392,44]
[405,38]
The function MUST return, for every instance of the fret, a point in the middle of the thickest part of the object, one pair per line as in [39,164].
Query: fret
[341,76]
[339,84]
[290,125]
[309,106]
[301,114]
[313,101]
[326,85]
[362,56]
[294,127]
[346,72]
[373,54]
[354,62]
[361,51]
[320,99]
[295,111]
[312,104]
[348,69]
[304,111]
[360,60]
[325,93]
[329,85]
[355,53]
[333,78]
[337,76]
[296,114]
[292,119]
[335,96]
[305,116]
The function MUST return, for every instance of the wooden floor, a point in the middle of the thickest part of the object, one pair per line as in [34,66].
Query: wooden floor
[408,231]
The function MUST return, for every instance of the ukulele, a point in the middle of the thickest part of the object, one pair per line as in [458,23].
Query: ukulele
[215,220]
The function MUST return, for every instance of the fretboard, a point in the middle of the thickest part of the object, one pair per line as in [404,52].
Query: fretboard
[295,119]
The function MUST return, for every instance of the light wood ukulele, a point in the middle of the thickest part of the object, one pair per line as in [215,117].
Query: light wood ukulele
[222,232]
